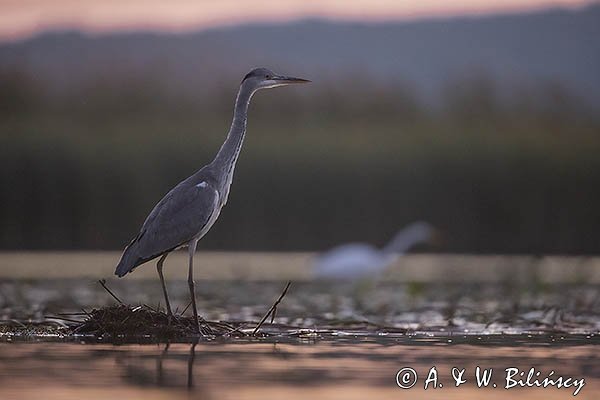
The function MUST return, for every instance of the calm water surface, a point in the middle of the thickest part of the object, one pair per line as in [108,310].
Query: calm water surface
[304,368]
[330,341]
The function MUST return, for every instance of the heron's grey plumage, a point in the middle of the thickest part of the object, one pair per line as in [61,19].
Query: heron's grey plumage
[188,211]
[183,214]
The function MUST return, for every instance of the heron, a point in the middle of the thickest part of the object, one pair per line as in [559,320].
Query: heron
[355,261]
[187,212]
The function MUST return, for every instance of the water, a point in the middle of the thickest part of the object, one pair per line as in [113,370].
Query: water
[341,340]
[293,369]
[482,308]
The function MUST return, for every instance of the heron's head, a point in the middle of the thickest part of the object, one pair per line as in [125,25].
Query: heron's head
[263,78]
[425,232]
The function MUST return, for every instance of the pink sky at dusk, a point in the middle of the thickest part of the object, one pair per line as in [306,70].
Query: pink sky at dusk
[22,18]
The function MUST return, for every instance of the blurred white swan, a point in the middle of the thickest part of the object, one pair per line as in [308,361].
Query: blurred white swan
[361,260]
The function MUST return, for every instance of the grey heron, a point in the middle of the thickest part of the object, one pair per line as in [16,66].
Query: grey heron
[354,261]
[188,211]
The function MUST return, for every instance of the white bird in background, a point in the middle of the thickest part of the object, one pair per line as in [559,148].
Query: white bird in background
[355,261]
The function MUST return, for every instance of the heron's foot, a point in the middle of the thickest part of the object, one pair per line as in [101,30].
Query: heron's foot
[170,312]
[197,324]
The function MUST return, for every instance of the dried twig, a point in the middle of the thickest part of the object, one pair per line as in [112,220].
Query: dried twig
[66,314]
[186,307]
[273,309]
[12,321]
[102,282]
[56,317]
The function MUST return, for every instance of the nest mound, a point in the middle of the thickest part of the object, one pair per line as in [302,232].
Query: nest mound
[123,320]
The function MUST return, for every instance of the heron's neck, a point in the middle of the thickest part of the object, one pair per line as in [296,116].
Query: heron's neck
[230,150]
[402,242]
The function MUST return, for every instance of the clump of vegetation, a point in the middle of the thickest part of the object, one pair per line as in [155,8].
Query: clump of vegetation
[122,320]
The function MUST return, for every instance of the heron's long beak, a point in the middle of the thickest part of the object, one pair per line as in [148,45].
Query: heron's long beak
[289,79]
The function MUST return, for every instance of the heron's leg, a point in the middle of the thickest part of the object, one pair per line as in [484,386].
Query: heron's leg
[159,268]
[192,249]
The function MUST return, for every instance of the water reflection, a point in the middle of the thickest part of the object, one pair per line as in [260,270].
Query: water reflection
[166,368]
[294,370]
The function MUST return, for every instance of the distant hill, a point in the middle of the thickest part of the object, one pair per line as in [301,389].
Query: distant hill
[555,46]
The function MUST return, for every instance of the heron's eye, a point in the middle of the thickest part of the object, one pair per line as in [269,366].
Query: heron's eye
[268,76]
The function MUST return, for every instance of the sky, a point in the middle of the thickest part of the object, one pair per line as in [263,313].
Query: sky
[23,18]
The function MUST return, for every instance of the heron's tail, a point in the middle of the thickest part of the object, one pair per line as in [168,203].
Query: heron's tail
[130,259]
[127,263]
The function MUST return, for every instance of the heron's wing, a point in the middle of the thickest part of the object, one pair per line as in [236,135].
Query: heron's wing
[179,217]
